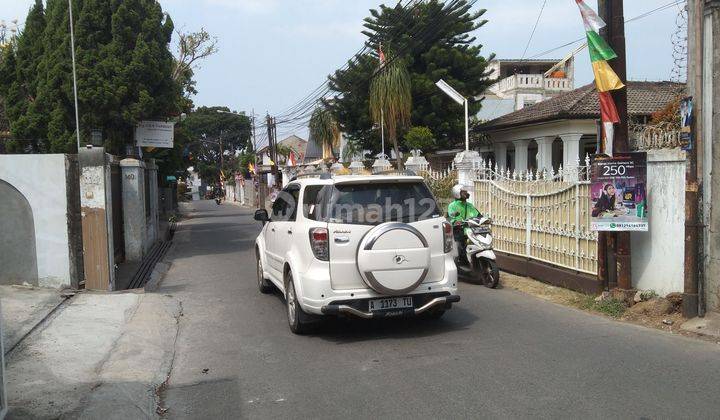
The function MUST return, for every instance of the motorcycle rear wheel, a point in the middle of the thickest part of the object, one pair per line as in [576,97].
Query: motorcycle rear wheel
[486,272]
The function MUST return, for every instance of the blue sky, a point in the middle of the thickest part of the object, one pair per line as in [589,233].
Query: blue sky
[274,52]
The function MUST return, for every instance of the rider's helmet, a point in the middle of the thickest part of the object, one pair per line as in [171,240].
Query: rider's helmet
[456,191]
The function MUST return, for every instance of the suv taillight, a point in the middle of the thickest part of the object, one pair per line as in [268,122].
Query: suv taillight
[320,244]
[447,237]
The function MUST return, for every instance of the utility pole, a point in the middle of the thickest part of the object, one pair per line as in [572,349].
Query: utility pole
[611,11]
[693,181]
[222,161]
[272,146]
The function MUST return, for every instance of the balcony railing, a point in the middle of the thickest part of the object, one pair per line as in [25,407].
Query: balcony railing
[533,81]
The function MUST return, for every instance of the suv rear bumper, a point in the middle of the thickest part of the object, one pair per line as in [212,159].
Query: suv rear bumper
[424,303]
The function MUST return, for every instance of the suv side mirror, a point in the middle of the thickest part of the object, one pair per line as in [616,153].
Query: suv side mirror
[261,215]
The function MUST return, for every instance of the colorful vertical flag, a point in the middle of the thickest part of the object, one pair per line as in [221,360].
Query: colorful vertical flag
[251,168]
[606,79]
[291,159]
[381,55]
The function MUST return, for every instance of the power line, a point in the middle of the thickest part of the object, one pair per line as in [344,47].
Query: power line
[532,34]
[641,16]
[304,110]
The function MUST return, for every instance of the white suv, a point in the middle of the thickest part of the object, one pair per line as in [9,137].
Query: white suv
[367,246]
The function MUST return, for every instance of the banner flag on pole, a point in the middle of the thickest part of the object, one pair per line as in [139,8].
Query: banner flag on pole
[606,79]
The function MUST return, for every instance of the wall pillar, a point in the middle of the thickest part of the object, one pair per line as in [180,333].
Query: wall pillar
[96,213]
[416,162]
[544,156]
[134,220]
[571,155]
[154,222]
[501,155]
[466,163]
[521,155]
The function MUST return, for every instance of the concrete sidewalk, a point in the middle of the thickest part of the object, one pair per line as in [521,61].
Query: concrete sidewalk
[103,355]
[708,326]
[23,308]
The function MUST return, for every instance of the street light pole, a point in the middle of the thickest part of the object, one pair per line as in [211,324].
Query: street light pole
[72,53]
[461,100]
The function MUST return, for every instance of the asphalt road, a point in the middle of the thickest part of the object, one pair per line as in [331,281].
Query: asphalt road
[496,354]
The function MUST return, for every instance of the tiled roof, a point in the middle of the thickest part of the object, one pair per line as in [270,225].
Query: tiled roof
[644,98]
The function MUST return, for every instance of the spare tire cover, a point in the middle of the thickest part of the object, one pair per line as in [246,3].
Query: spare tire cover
[393,258]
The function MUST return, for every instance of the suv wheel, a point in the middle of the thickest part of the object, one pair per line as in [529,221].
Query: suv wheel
[263,285]
[299,321]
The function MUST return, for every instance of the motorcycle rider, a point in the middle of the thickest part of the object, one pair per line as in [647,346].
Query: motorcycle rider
[460,210]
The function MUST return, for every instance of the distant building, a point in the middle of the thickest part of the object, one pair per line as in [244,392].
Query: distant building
[525,82]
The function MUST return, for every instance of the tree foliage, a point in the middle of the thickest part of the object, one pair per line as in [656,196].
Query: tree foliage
[391,100]
[324,130]
[124,71]
[203,129]
[433,38]
[419,138]
[192,48]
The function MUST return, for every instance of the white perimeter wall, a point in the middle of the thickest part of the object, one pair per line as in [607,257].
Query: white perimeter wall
[41,179]
[658,255]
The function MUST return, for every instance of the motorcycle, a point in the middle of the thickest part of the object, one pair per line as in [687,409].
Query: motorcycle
[478,258]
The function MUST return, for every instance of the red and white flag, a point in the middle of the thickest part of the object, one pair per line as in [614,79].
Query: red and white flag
[609,117]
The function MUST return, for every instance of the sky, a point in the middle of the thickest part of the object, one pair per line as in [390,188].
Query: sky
[272,53]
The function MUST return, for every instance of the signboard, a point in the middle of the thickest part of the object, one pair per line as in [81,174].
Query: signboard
[686,118]
[618,193]
[155,134]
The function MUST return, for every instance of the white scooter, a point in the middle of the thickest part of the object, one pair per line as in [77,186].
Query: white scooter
[478,259]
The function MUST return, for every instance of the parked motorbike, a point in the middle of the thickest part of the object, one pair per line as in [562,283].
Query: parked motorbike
[477,260]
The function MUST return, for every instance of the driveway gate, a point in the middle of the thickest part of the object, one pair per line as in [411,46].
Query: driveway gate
[543,217]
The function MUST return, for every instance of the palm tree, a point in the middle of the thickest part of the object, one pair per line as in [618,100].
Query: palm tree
[391,100]
[325,130]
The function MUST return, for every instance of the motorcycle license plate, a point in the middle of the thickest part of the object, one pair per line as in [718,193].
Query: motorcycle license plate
[390,303]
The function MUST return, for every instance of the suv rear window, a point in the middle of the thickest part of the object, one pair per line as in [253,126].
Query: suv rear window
[375,203]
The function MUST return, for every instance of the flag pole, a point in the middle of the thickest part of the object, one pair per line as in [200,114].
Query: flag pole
[382,130]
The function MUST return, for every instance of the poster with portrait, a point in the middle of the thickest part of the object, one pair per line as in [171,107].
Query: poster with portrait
[686,119]
[618,193]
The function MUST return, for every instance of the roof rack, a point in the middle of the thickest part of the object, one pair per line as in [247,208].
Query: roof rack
[405,172]
[316,174]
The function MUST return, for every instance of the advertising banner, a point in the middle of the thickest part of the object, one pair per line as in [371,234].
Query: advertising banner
[155,134]
[686,119]
[618,193]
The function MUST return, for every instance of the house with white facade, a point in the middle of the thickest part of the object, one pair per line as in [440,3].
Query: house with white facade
[520,83]
[564,129]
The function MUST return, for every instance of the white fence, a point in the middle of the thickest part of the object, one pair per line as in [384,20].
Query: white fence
[540,216]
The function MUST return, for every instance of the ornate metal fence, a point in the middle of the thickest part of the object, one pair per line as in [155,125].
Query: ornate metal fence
[541,216]
[661,136]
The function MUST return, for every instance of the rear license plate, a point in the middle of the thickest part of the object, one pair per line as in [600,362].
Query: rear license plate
[390,303]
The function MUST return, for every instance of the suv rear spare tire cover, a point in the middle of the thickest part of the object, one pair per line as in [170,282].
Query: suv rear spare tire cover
[393,258]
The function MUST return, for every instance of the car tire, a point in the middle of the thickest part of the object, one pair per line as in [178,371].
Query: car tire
[300,322]
[264,285]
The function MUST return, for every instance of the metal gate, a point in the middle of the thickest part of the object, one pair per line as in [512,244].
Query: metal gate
[117,210]
[540,216]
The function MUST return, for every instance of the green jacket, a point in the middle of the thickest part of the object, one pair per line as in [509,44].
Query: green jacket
[461,210]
